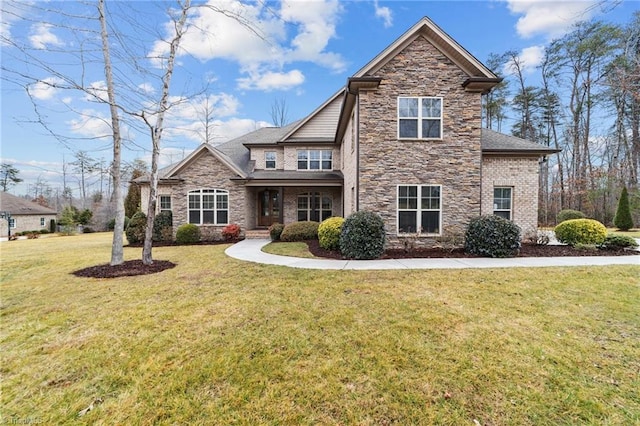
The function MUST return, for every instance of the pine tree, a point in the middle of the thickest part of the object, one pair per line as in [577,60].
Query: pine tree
[623,220]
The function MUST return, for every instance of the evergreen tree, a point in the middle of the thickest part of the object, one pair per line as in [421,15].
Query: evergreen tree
[623,220]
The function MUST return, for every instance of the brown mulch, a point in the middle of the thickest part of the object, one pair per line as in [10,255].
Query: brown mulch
[127,269]
[527,250]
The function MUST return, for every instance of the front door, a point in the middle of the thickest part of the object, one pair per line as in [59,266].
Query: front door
[269,207]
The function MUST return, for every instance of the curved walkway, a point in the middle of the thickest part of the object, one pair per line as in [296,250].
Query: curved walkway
[251,251]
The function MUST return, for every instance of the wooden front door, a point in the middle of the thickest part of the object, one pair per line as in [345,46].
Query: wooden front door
[269,207]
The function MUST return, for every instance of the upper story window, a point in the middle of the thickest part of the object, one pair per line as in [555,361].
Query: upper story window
[165,203]
[502,202]
[270,160]
[315,159]
[209,206]
[419,118]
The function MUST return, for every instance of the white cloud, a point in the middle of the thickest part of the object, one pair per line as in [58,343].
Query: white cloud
[530,58]
[44,89]
[384,13]
[91,124]
[147,88]
[97,89]
[42,37]
[269,81]
[552,19]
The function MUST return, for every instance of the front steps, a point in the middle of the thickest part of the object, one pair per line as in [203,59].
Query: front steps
[255,234]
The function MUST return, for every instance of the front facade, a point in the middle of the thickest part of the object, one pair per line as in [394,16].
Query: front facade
[403,139]
[23,215]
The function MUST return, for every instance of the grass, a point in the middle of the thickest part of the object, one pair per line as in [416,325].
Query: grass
[635,233]
[294,249]
[220,341]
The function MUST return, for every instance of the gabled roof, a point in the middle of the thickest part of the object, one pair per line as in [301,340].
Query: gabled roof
[301,123]
[499,143]
[438,38]
[20,206]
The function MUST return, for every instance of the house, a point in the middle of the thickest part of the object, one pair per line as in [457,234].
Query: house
[403,138]
[25,215]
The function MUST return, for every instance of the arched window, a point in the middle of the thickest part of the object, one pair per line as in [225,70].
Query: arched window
[314,206]
[209,206]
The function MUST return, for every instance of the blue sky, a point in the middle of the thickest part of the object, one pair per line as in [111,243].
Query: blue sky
[306,52]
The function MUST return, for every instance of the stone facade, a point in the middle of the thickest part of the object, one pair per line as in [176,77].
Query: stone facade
[453,162]
[519,173]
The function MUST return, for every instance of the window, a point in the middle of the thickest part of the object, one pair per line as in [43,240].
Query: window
[42,222]
[313,159]
[12,222]
[209,206]
[269,160]
[419,209]
[502,202]
[419,118]
[314,206]
[165,203]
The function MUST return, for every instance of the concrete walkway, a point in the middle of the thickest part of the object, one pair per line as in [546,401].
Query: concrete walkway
[251,251]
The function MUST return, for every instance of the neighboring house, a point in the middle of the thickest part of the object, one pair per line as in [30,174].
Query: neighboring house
[25,215]
[403,139]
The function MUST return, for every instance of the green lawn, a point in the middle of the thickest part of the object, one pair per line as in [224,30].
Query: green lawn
[220,341]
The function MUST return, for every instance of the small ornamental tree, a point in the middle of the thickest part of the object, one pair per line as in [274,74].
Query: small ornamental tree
[623,220]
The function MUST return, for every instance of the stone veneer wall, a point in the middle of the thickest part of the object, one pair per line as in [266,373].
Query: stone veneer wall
[522,175]
[453,162]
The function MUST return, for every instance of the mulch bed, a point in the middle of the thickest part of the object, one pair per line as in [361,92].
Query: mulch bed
[527,250]
[127,269]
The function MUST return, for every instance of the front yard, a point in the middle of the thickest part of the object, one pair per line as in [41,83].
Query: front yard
[219,341]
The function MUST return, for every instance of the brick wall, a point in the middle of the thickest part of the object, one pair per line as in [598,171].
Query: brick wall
[522,175]
[453,162]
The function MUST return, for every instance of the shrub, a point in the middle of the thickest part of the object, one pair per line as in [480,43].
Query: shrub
[569,214]
[329,233]
[163,226]
[492,236]
[231,232]
[135,230]
[112,223]
[87,230]
[44,231]
[581,231]
[623,220]
[32,235]
[617,242]
[300,231]
[275,230]
[362,236]
[188,233]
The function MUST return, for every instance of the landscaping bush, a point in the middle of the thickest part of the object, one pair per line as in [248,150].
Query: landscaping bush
[581,231]
[617,242]
[569,214]
[163,226]
[231,232]
[492,236]
[329,233]
[188,233]
[362,236]
[623,220]
[135,230]
[112,223]
[275,230]
[300,231]
[87,230]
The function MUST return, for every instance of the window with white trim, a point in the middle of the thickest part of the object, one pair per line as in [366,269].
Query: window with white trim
[419,209]
[209,207]
[270,160]
[12,222]
[503,201]
[165,203]
[42,221]
[315,159]
[314,206]
[419,118]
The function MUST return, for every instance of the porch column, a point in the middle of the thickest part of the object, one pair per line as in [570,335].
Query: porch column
[281,206]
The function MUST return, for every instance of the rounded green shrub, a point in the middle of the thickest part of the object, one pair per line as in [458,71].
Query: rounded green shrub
[569,214]
[581,231]
[163,226]
[188,233]
[329,233]
[617,242]
[300,231]
[136,228]
[623,220]
[492,236]
[362,236]
[275,231]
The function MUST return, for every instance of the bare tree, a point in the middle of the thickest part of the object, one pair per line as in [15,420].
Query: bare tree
[279,112]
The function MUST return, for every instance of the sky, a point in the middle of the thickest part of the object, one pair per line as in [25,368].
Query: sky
[297,53]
